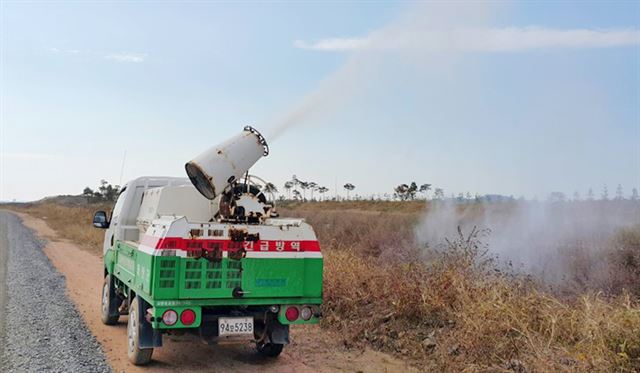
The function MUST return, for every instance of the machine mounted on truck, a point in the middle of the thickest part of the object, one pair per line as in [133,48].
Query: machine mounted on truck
[208,255]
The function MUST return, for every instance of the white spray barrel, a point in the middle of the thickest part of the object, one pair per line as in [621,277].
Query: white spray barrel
[212,171]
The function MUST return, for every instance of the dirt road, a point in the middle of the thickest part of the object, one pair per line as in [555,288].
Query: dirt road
[312,349]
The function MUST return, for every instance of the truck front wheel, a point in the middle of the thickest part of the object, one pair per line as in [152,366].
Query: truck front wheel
[109,310]
[137,355]
[269,349]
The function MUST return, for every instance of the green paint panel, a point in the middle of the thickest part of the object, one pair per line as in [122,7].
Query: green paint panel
[258,278]
[144,265]
[263,280]
[313,277]
[109,260]
[125,263]
[267,277]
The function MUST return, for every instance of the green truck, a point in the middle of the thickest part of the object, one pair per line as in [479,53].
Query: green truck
[208,255]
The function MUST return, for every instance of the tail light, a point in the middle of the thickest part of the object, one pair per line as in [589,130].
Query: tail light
[306,313]
[187,317]
[170,317]
[292,313]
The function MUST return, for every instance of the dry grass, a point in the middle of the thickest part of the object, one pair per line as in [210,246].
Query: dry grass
[455,309]
[451,313]
[70,222]
[450,310]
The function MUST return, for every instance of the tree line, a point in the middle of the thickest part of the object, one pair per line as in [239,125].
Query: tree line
[292,186]
[105,192]
[300,190]
[297,189]
[590,196]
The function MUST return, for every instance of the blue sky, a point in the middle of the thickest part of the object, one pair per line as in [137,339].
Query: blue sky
[525,98]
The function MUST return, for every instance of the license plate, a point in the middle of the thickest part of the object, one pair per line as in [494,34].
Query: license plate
[235,326]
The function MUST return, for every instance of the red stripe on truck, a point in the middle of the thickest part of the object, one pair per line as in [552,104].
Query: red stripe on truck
[179,243]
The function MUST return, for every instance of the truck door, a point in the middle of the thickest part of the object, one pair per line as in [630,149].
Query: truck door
[109,237]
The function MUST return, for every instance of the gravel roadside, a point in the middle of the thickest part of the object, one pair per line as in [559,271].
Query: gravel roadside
[4,243]
[51,336]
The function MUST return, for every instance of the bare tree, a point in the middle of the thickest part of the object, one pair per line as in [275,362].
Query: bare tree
[322,191]
[619,193]
[270,188]
[438,193]
[425,188]
[413,189]
[295,182]
[91,195]
[634,194]
[304,186]
[313,186]
[104,193]
[349,187]
[401,192]
[605,193]
[296,195]
[287,186]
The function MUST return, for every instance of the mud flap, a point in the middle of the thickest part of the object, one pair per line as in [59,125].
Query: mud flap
[279,333]
[149,337]
[114,301]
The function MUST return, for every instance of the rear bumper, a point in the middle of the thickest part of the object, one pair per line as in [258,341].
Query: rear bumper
[207,314]
[266,326]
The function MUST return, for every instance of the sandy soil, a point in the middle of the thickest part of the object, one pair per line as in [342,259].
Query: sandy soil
[311,350]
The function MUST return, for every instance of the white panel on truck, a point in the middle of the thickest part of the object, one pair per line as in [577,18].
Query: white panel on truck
[182,200]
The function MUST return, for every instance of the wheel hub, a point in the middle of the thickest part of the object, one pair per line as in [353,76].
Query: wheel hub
[132,330]
[105,299]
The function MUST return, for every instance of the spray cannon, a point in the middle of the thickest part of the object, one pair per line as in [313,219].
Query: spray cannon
[220,166]
[222,171]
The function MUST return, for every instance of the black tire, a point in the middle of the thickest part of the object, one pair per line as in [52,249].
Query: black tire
[270,349]
[109,308]
[137,356]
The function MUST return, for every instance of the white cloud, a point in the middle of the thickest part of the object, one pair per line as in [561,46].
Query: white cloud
[127,57]
[64,51]
[118,57]
[481,39]
[336,44]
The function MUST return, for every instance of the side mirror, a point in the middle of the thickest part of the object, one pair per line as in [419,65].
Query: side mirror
[100,220]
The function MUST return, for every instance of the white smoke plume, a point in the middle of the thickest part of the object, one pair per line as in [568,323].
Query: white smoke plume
[425,36]
[534,236]
[365,63]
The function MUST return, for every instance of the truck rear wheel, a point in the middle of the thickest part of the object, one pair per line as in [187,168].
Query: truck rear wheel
[109,309]
[137,355]
[269,349]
